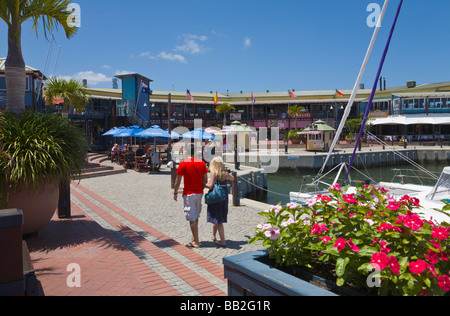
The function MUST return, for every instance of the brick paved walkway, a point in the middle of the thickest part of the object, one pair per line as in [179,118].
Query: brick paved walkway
[115,259]
[127,237]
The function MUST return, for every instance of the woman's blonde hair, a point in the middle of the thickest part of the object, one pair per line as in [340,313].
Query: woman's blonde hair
[217,167]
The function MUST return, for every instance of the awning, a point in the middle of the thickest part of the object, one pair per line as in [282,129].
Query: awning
[412,120]
[310,133]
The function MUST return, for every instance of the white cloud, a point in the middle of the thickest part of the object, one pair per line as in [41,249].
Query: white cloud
[171,56]
[147,54]
[92,78]
[191,44]
[247,42]
[123,72]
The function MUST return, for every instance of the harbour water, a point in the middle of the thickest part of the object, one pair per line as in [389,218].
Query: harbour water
[286,180]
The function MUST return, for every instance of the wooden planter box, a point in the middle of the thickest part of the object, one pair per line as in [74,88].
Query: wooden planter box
[248,276]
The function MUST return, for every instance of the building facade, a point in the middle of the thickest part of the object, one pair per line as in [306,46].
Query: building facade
[33,90]
[415,112]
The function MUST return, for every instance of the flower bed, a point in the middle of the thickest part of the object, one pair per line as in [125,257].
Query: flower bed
[375,243]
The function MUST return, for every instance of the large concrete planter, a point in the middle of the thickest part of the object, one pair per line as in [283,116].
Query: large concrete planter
[38,208]
[248,276]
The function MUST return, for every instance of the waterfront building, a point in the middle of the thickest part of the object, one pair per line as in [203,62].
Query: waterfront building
[417,112]
[33,90]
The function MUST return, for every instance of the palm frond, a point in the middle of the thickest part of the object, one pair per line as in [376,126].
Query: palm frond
[71,91]
[6,7]
[50,14]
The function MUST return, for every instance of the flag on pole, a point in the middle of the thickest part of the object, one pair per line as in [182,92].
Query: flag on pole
[189,95]
[253,99]
[216,98]
[292,94]
[145,88]
[339,94]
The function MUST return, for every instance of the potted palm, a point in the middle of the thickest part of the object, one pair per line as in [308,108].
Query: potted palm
[294,136]
[20,159]
[38,151]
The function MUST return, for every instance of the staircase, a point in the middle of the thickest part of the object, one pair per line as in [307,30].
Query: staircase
[95,167]
[135,118]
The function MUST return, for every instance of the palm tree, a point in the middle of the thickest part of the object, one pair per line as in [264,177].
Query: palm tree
[295,111]
[72,91]
[47,13]
[224,108]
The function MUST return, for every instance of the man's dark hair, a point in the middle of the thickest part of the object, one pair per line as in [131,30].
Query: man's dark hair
[191,152]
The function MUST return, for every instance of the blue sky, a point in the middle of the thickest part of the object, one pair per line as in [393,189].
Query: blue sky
[248,45]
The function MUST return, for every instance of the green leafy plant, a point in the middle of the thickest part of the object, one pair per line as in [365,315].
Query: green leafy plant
[71,91]
[373,241]
[36,148]
[224,109]
[293,134]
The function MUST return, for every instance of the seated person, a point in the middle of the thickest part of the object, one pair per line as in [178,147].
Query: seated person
[140,152]
[114,152]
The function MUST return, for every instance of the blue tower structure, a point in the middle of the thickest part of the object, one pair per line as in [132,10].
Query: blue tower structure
[136,98]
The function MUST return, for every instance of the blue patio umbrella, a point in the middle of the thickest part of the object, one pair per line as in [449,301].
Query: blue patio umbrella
[129,132]
[154,131]
[114,131]
[199,134]
[173,134]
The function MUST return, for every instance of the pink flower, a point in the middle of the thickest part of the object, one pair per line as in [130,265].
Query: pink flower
[369,221]
[340,244]
[444,282]
[352,246]
[325,239]
[265,227]
[312,202]
[412,200]
[292,205]
[273,233]
[436,244]
[325,198]
[417,267]
[350,199]
[384,226]
[394,205]
[276,208]
[411,220]
[394,265]
[384,248]
[337,187]
[319,229]
[288,222]
[432,257]
[379,261]
[440,233]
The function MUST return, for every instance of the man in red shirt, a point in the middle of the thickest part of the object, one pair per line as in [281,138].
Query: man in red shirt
[195,176]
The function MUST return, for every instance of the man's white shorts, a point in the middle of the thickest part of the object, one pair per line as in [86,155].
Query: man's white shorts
[192,206]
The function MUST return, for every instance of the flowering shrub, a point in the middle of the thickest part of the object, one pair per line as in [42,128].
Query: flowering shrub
[367,236]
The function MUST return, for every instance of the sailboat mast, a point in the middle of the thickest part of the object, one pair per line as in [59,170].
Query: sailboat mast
[374,89]
[356,87]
